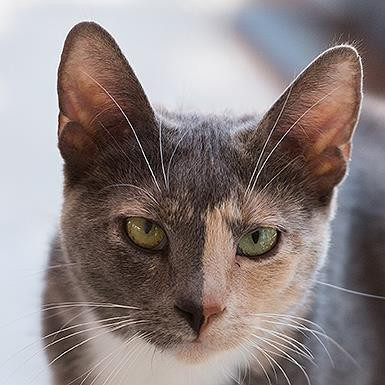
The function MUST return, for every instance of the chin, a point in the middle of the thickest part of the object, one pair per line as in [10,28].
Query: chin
[200,351]
[193,352]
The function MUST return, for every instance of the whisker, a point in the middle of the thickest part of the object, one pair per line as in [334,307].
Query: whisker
[161,152]
[58,266]
[227,372]
[88,372]
[84,312]
[32,273]
[272,343]
[124,345]
[45,347]
[288,131]
[67,306]
[245,353]
[133,186]
[118,146]
[125,360]
[279,173]
[119,366]
[98,114]
[239,373]
[172,157]
[124,318]
[120,326]
[249,352]
[143,336]
[33,313]
[327,337]
[349,291]
[268,138]
[60,305]
[266,356]
[298,347]
[43,338]
[130,125]
[116,351]
[128,322]
[301,328]
[303,346]
[275,362]
[291,316]
[295,363]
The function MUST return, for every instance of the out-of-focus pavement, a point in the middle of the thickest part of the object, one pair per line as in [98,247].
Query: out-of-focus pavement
[186,56]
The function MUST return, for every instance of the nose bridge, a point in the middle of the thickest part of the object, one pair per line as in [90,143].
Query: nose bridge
[216,258]
[202,275]
[187,265]
[189,284]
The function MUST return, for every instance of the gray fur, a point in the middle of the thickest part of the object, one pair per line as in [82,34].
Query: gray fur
[107,177]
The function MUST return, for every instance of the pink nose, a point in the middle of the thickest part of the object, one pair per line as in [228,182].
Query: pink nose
[209,313]
[198,316]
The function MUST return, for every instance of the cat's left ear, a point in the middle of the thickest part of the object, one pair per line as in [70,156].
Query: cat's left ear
[99,95]
[316,116]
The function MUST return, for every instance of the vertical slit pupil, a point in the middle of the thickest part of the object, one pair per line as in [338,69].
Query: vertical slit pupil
[147,227]
[255,236]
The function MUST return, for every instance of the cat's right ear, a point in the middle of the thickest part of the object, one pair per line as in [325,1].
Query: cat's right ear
[99,94]
[313,121]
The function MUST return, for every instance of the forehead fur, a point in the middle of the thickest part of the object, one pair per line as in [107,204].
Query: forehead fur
[200,157]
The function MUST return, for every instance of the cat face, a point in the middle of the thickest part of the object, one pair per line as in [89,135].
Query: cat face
[240,206]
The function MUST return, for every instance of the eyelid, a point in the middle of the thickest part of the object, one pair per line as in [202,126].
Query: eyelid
[250,228]
[280,228]
[127,214]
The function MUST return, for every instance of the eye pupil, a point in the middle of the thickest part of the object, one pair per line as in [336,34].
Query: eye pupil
[255,236]
[147,227]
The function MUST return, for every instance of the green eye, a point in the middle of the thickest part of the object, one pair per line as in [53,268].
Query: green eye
[145,233]
[258,242]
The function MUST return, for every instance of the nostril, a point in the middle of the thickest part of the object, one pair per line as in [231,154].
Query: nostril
[198,316]
[192,313]
[185,314]
[213,310]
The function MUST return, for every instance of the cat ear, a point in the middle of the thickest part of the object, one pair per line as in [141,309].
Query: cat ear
[98,92]
[316,116]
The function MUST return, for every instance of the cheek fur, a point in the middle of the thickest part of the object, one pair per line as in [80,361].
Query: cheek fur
[281,285]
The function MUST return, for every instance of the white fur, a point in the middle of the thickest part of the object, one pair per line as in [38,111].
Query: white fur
[139,363]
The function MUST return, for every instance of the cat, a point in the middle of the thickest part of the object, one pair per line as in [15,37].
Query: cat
[192,248]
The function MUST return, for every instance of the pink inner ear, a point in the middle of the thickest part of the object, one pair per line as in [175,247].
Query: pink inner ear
[329,152]
[332,135]
[320,115]
[79,99]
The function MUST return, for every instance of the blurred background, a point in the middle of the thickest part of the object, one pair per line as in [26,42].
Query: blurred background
[219,55]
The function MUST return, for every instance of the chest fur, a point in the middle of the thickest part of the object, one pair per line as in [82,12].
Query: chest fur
[136,362]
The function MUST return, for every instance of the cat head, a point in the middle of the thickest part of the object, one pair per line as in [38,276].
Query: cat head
[206,225]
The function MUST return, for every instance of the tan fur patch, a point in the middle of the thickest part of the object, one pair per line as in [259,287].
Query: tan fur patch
[248,288]
[218,255]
